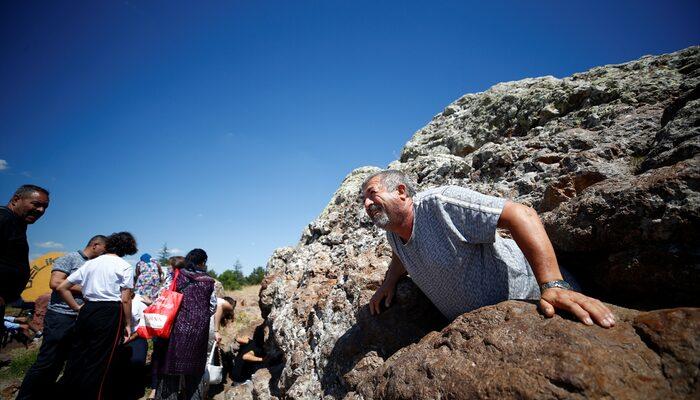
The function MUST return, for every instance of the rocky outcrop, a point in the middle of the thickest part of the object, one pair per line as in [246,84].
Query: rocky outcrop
[508,351]
[609,158]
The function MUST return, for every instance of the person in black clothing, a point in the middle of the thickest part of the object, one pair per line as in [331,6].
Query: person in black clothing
[27,205]
[39,381]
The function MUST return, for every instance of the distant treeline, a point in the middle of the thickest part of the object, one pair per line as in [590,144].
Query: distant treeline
[232,279]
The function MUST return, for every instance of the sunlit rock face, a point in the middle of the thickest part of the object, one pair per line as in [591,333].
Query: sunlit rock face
[609,159]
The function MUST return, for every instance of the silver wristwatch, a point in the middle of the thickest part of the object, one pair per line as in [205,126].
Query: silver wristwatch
[556,284]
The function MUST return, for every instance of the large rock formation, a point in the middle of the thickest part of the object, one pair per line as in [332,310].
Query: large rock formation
[609,158]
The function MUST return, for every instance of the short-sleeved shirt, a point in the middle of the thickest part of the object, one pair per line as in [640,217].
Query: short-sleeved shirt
[455,255]
[14,255]
[103,278]
[66,264]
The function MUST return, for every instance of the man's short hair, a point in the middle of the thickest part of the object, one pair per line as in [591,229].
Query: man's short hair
[26,190]
[97,238]
[391,179]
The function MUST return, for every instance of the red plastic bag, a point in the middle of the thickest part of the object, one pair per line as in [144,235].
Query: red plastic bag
[158,318]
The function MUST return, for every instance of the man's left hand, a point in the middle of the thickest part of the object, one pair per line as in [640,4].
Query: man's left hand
[586,309]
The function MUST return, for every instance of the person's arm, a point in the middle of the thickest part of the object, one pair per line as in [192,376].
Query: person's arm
[57,277]
[217,321]
[386,291]
[213,303]
[529,233]
[126,307]
[137,271]
[64,290]
[251,357]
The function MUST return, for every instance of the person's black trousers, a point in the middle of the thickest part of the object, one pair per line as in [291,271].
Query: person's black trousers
[98,332]
[130,375]
[39,382]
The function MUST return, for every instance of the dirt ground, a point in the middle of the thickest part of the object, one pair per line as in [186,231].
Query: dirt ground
[247,317]
[247,312]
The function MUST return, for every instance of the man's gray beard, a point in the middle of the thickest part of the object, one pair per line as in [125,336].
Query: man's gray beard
[381,220]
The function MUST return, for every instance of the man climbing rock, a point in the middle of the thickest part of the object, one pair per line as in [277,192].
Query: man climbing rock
[446,239]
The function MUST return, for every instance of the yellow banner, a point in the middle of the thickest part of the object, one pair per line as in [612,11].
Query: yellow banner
[39,276]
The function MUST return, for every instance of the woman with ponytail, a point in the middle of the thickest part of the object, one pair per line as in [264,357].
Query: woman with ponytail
[183,364]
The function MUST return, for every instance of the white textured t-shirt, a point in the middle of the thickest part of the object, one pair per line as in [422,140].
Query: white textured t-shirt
[103,278]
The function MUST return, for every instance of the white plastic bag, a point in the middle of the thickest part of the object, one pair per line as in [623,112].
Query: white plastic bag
[215,372]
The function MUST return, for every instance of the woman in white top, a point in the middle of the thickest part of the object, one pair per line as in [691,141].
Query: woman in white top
[104,319]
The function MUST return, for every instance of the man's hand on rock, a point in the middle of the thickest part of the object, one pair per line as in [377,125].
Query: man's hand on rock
[386,293]
[586,309]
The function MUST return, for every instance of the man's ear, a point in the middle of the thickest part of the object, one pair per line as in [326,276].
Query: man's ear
[402,191]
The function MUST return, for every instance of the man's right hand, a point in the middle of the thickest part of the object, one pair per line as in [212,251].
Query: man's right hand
[386,293]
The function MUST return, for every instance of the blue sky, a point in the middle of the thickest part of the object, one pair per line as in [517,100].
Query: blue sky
[229,125]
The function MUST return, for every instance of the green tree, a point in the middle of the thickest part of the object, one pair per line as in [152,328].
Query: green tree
[212,273]
[256,276]
[164,255]
[233,279]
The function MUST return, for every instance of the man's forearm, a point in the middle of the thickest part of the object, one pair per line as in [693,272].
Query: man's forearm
[58,277]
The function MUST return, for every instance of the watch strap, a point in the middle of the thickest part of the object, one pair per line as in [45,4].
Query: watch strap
[559,283]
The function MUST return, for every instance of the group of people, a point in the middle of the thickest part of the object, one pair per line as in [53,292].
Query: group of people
[445,238]
[97,303]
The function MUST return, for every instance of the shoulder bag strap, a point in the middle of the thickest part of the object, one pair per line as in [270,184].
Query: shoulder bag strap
[173,284]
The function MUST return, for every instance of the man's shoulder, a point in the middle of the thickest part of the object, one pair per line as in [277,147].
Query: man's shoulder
[68,262]
[429,195]
[73,255]
[445,194]
[6,215]
[459,196]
